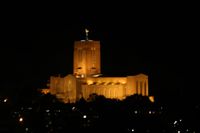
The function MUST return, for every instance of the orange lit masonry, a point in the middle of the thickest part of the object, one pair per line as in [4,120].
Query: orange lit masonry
[86,78]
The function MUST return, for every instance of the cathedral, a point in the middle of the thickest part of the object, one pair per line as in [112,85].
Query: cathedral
[87,78]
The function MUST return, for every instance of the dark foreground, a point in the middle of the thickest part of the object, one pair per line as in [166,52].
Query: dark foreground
[45,114]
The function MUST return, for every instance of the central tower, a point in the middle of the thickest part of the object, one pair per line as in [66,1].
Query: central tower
[86,58]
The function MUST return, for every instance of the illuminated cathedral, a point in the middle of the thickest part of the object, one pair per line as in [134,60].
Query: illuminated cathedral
[87,78]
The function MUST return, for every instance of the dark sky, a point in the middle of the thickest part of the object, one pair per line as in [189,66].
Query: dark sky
[158,40]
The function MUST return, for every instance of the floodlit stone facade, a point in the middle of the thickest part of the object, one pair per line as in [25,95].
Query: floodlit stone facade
[86,58]
[71,89]
[86,78]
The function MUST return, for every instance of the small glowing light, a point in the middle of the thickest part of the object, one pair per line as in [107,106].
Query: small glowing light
[179,132]
[175,122]
[5,100]
[26,129]
[151,98]
[47,110]
[86,31]
[132,130]
[21,119]
[180,120]
[150,112]
[187,130]
[77,76]
[96,75]
[135,111]
[82,76]
[73,108]
[45,91]
[123,82]
[84,116]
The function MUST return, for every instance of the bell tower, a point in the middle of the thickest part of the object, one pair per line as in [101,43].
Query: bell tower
[86,57]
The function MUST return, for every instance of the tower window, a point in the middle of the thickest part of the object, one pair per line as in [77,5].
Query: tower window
[93,48]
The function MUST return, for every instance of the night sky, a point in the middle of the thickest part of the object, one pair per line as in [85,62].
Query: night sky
[160,41]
